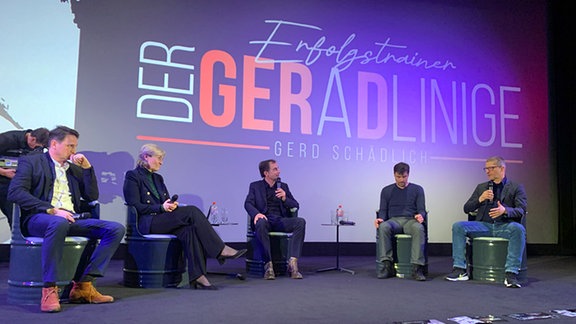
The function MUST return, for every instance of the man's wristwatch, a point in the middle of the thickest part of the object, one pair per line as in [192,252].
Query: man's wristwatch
[51,211]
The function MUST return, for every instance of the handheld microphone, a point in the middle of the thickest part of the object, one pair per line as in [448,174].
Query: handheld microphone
[491,188]
[278,183]
[174,198]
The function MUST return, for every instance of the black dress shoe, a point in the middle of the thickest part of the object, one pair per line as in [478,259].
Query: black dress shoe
[239,253]
[386,270]
[418,272]
[196,285]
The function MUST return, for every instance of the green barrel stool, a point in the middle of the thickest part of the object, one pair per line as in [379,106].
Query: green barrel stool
[403,254]
[489,258]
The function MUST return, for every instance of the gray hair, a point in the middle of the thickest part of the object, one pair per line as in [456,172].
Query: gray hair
[149,150]
[498,159]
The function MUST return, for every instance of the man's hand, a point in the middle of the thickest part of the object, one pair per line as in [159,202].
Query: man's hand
[259,216]
[497,212]
[8,173]
[377,222]
[419,218]
[80,160]
[64,214]
[486,195]
[280,193]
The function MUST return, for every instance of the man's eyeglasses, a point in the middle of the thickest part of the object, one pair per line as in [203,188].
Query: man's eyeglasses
[491,168]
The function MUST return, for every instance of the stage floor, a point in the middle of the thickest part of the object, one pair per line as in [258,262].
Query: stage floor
[326,297]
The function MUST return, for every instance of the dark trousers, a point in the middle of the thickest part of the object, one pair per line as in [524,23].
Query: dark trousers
[5,205]
[54,230]
[398,225]
[294,225]
[198,237]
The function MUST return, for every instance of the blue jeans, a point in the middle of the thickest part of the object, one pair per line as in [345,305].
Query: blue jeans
[513,231]
[54,230]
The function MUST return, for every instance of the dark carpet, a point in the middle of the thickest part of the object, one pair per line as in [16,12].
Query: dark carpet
[328,297]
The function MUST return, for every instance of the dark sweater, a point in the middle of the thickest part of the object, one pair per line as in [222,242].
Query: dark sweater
[407,202]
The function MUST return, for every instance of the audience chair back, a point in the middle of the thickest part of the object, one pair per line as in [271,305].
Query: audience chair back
[279,247]
[151,260]
[25,280]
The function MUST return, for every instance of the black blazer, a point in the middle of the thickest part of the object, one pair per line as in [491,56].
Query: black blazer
[33,185]
[256,200]
[513,198]
[138,193]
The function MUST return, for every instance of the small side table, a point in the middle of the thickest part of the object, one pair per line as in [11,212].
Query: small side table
[337,267]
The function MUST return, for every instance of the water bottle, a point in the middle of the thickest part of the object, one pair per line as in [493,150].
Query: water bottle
[214,213]
[339,214]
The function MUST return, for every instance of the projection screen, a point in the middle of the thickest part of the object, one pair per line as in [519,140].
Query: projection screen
[336,91]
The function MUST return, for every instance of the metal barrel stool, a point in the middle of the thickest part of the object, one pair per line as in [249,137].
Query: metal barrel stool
[403,253]
[489,258]
[25,280]
[280,248]
[151,260]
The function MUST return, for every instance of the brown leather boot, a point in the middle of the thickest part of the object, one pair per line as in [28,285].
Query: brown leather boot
[293,268]
[269,271]
[50,302]
[85,293]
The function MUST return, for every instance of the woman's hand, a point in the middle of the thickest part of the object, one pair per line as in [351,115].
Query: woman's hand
[169,206]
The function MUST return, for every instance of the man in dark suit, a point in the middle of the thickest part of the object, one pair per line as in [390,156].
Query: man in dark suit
[50,188]
[269,204]
[16,143]
[501,204]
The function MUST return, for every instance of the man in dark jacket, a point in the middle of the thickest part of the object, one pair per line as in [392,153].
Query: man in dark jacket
[269,204]
[14,144]
[500,204]
[49,188]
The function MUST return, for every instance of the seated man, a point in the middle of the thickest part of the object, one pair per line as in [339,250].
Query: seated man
[501,204]
[268,203]
[17,143]
[402,210]
[49,188]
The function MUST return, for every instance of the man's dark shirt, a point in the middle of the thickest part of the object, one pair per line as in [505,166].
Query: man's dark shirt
[272,201]
[497,189]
